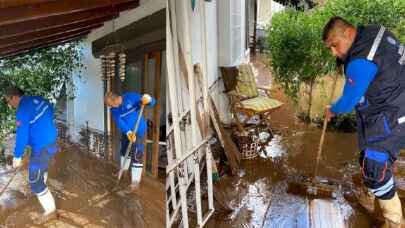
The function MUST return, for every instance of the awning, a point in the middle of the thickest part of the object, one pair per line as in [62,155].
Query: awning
[29,24]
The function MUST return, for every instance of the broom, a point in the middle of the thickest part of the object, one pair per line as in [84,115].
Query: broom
[14,172]
[310,186]
[122,169]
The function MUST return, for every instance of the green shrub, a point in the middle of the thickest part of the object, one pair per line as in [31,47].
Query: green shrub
[390,13]
[296,53]
[39,72]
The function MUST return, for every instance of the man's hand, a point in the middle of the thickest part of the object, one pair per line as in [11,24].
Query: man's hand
[328,113]
[16,162]
[146,99]
[131,136]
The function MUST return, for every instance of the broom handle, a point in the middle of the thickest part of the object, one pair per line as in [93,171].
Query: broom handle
[15,171]
[325,124]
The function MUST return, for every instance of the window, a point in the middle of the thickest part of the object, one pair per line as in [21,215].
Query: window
[236,25]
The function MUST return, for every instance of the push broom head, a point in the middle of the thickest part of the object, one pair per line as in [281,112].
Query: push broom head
[312,188]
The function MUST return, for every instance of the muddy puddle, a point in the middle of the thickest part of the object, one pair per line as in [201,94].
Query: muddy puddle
[258,195]
[86,195]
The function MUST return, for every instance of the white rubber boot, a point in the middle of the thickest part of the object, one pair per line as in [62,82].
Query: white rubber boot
[126,163]
[45,177]
[136,175]
[48,204]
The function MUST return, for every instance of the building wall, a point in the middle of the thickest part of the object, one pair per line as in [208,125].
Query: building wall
[265,10]
[220,46]
[232,49]
[88,106]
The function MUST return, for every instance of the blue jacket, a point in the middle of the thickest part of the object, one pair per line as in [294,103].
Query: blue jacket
[35,126]
[359,75]
[126,114]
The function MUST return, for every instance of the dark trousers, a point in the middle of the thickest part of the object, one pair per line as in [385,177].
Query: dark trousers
[136,152]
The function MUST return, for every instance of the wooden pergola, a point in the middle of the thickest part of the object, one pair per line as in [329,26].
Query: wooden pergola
[30,24]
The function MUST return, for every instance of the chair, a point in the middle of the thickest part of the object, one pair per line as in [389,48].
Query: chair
[240,85]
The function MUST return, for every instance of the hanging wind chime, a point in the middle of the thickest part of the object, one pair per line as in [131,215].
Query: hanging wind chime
[122,59]
[108,60]
[108,65]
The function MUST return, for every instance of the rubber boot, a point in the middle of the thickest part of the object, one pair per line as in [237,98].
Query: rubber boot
[45,177]
[48,204]
[392,212]
[136,176]
[126,163]
[366,199]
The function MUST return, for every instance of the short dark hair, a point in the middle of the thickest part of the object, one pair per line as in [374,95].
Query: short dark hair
[332,23]
[14,91]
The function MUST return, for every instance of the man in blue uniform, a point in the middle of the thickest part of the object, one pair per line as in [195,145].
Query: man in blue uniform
[125,110]
[374,66]
[35,128]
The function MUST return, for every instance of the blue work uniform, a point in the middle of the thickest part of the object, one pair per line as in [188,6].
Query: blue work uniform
[125,117]
[375,88]
[36,128]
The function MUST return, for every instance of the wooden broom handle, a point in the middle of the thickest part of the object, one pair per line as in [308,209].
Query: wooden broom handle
[325,124]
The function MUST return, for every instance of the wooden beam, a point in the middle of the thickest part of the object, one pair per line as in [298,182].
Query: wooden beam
[45,35]
[53,29]
[25,48]
[40,40]
[53,8]
[156,114]
[54,21]
[14,3]
[230,149]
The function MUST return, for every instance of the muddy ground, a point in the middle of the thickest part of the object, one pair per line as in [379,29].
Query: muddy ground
[257,196]
[86,195]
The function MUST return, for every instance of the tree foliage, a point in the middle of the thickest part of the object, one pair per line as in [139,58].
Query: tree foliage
[40,72]
[296,53]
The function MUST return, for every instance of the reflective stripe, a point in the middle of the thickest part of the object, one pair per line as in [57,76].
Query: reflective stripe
[43,192]
[39,115]
[40,105]
[383,189]
[401,49]
[130,111]
[376,43]
[402,59]
[401,119]
[362,100]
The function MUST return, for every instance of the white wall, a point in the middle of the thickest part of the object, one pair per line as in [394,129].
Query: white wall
[215,26]
[211,36]
[266,10]
[88,105]
[212,41]
[231,32]
[88,102]
[213,72]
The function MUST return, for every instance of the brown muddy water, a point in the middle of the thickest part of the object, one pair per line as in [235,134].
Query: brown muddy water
[258,196]
[86,195]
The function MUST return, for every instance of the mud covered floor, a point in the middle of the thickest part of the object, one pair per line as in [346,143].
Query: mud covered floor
[86,195]
[258,195]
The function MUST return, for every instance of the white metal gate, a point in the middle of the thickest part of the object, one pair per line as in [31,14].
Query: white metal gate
[188,132]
